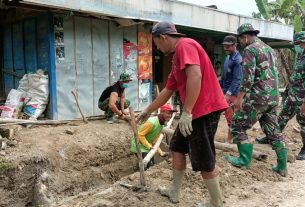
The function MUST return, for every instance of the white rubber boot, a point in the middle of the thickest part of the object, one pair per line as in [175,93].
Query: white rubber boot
[215,193]
[173,192]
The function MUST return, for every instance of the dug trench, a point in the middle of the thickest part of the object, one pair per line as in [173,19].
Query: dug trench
[51,163]
[84,164]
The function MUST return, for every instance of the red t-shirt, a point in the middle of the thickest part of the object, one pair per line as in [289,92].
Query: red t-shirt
[211,98]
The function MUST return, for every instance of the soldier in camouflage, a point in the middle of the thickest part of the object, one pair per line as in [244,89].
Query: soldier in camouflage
[257,100]
[295,102]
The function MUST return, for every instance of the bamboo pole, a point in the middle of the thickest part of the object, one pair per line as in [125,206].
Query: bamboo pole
[228,147]
[154,149]
[139,154]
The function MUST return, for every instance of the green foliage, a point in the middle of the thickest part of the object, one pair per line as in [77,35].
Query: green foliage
[263,8]
[297,23]
[289,11]
[286,6]
[4,165]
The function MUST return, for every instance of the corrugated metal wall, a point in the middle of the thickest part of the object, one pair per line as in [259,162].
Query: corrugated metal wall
[93,60]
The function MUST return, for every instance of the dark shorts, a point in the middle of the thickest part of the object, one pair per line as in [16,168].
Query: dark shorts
[200,144]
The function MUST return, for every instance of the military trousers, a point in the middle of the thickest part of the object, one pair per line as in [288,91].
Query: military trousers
[104,106]
[291,107]
[244,119]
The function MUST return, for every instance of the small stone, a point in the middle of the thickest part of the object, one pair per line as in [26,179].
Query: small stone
[296,129]
[2,153]
[44,177]
[12,143]
[70,131]
[256,129]
[7,132]
[3,145]
[130,178]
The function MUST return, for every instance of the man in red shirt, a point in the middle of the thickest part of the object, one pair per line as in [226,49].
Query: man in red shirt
[193,76]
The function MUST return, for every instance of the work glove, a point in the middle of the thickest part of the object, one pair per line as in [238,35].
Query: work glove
[185,124]
[143,116]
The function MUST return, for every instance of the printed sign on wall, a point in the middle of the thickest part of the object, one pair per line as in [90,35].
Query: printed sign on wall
[145,55]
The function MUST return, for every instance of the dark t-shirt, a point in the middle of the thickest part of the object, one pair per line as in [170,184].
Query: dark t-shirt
[107,92]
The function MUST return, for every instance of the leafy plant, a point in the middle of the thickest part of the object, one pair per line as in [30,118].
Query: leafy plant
[4,165]
[286,11]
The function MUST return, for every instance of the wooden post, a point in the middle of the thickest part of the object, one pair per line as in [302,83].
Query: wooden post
[78,106]
[139,154]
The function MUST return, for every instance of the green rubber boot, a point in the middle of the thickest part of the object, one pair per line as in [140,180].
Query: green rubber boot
[282,157]
[245,157]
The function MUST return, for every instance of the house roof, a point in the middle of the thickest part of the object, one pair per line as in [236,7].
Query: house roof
[191,17]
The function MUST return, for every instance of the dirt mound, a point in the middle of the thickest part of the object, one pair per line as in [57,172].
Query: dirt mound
[83,165]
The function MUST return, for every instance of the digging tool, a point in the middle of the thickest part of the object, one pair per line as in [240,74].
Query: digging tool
[139,154]
[78,106]
[228,147]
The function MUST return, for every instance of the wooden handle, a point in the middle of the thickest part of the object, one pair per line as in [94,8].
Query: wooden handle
[139,154]
[78,106]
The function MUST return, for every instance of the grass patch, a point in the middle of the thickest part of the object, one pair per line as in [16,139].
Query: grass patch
[4,165]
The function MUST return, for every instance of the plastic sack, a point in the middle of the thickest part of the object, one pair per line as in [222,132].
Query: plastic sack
[13,104]
[36,88]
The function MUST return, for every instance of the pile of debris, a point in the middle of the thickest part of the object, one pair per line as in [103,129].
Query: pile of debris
[30,99]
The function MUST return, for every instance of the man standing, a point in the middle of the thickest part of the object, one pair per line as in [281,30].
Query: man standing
[295,102]
[150,131]
[192,74]
[113,101]
[231,76]
[257,100]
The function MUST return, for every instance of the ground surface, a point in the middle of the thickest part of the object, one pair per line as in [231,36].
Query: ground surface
[82,165]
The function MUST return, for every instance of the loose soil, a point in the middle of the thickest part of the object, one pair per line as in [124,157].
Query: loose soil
[82,165]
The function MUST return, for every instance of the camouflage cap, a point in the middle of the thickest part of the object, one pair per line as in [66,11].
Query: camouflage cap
[124,77]
[299,37]
[246,28]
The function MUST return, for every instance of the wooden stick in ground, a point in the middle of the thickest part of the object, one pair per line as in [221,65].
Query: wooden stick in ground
[78,106]
[154,149]
[229,147]
[139,154]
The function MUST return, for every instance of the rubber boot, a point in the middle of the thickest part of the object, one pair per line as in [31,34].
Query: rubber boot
[262,140]
[282,157]
[245,157]
[215,193]
[301,155]
[173,192]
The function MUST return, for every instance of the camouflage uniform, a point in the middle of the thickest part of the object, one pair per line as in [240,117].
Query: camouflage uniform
[260,82]
[119,88]
[108,112]
[260,85]
[296,95]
